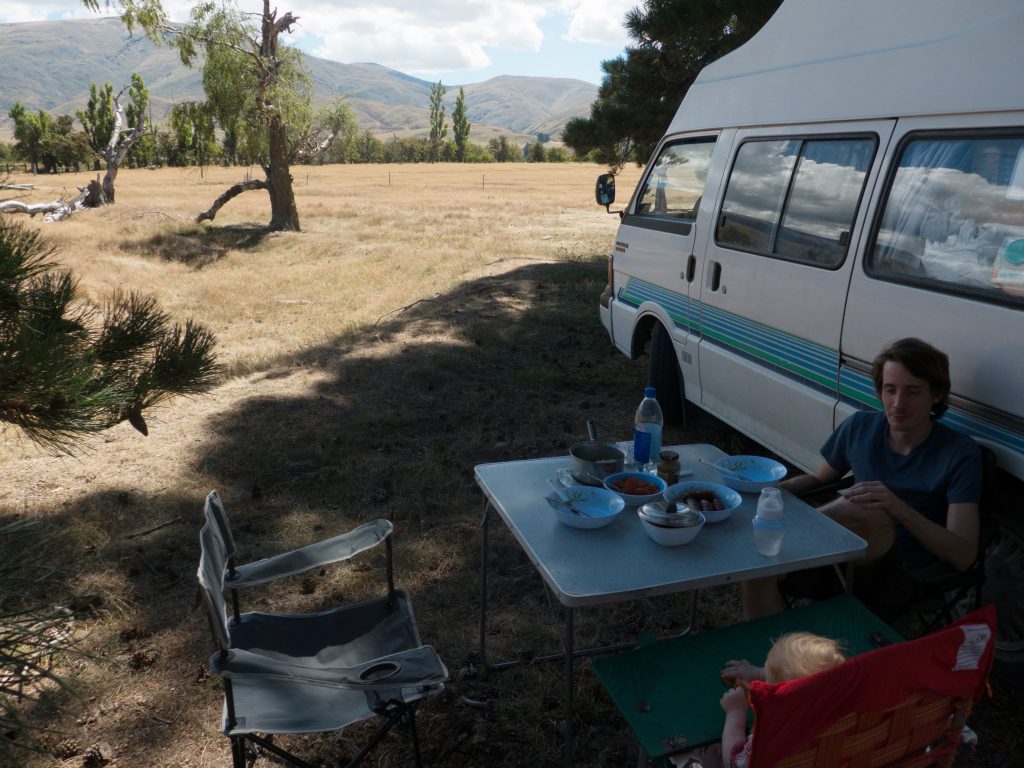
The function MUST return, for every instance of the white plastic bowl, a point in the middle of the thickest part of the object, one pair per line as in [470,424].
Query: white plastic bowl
[671,536]
[598,506]
[730,498]
[635,500]
[750,474]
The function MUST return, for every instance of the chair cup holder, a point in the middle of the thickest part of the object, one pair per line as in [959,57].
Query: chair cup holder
[380,671]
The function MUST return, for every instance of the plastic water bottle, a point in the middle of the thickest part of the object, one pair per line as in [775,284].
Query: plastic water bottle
[647,432]
[769,526]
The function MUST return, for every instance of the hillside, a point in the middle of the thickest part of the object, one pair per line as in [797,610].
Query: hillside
[50,64]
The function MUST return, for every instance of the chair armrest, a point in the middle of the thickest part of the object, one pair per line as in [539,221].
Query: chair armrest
[416,667]
[827,488]
[323,552]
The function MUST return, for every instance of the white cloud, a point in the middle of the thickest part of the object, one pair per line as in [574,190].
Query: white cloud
[413,36]
[599,21]
[419,38]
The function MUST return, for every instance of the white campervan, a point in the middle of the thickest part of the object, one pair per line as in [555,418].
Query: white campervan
[852,175]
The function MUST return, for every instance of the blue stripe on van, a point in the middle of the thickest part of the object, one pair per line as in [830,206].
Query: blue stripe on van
[812,365]
[858,389]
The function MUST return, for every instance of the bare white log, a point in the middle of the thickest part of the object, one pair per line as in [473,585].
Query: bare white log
[16,186]
[56,210]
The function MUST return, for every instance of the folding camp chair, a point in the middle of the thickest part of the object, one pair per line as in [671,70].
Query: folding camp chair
[316,672]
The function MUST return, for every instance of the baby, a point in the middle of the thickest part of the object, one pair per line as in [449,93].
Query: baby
[793,655]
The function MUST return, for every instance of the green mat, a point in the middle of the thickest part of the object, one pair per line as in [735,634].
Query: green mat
[669,691]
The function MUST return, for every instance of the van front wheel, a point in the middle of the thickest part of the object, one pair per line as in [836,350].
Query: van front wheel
[664,375]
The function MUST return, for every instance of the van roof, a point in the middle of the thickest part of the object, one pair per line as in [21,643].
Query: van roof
[818,60]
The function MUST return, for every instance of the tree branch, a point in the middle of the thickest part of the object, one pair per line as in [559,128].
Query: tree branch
[229,194]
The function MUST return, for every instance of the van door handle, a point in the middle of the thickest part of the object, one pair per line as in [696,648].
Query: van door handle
[691,268]
[714,276]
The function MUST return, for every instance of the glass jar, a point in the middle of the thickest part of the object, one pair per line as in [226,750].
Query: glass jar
[668,467]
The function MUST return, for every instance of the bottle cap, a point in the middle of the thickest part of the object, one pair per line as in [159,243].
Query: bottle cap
[648,391]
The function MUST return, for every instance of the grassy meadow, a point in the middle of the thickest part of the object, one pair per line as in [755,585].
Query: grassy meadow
[427,319]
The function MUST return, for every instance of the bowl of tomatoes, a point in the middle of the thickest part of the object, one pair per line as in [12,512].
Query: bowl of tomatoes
[636,488]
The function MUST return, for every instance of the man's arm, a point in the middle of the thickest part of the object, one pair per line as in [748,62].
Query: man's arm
[956,543]
[823,475]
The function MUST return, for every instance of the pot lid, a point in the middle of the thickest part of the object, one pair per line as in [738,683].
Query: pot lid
[670,514]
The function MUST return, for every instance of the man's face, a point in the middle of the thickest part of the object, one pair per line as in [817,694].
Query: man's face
[907,399]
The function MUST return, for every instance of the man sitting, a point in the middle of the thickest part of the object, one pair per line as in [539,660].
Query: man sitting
[916,491]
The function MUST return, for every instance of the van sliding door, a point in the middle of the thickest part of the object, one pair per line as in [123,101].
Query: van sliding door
[773,286]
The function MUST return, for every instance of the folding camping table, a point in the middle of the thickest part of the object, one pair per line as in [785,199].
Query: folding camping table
[619,562]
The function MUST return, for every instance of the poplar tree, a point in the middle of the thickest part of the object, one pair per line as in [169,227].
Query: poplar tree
[460,126]
[438,129]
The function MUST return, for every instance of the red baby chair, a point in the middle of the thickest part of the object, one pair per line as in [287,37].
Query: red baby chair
[901,706]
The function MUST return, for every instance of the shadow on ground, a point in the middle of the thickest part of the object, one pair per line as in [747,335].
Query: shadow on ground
[199,246]
[394,421]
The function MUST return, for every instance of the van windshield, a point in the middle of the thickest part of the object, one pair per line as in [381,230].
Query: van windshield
[954,217]
[675,184]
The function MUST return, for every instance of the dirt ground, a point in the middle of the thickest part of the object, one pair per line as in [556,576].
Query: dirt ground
[386,419]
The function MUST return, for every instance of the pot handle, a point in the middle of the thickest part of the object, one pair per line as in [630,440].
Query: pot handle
[592,429]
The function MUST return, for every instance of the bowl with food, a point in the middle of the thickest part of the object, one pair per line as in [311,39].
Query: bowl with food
[585,506]
[636,488]
[713,500]
[749,474]
[668,524]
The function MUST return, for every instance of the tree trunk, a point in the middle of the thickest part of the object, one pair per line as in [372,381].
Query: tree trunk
[283,213]
[108,183]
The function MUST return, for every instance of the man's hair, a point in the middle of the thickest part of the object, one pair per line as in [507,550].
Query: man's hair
[924,362]
[798,654]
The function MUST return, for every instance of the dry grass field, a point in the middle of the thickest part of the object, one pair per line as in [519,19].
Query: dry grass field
[427,319]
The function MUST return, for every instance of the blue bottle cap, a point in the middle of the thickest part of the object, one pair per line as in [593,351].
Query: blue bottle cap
[648,391]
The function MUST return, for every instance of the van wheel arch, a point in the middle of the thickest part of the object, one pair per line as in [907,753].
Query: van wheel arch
[664,374]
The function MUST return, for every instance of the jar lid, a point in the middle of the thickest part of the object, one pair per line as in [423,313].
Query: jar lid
[670,515]
[669,456]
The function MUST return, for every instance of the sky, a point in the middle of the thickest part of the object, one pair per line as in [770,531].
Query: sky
[455,41]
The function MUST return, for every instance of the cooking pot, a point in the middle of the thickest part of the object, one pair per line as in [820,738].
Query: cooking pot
[594,460]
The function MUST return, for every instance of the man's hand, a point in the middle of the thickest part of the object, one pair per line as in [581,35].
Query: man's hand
[872,494]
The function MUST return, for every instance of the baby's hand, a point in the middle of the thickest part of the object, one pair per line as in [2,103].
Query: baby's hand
[734,700]
[741,670]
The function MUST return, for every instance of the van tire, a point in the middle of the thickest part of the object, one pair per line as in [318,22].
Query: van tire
[664,375]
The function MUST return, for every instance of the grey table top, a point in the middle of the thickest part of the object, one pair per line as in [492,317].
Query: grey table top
[620,562]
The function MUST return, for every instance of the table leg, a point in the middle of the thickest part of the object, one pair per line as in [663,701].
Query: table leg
[849,577]
[483,587]
[570,642]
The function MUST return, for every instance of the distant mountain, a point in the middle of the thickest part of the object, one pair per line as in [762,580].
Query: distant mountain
[50,64]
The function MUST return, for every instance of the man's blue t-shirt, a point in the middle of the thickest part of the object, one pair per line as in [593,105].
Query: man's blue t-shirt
[945,469]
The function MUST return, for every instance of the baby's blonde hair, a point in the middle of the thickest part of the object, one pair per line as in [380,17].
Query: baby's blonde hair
[798,654]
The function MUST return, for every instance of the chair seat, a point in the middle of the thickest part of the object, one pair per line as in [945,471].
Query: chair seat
[342,637]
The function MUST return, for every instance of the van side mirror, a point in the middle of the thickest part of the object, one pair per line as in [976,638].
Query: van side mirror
[605,189]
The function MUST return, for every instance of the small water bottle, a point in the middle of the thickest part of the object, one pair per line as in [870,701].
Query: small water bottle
[769,526]
[647,432]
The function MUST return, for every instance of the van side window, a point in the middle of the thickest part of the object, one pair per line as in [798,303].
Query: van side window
[674,186]
[795,199]
[954,218]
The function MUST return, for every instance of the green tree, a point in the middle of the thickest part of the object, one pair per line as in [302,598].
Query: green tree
[31,130]
[67,370]
[438,128]
[192,125]
[535,153]
[114,128]
[640,91]
[503,150]
[262,96]
[460,126]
